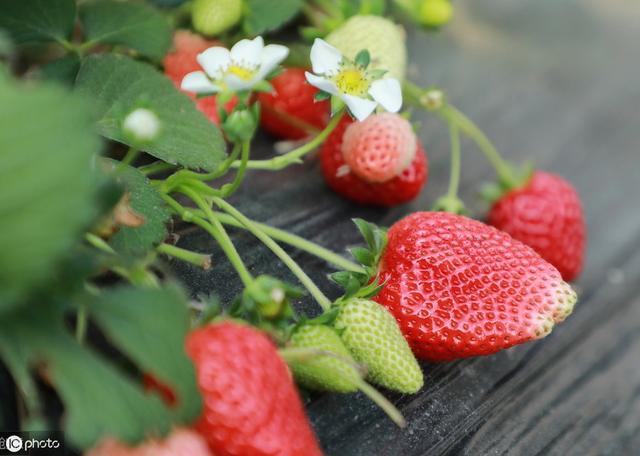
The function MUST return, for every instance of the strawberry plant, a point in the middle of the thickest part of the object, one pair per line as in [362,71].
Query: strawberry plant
[121,120]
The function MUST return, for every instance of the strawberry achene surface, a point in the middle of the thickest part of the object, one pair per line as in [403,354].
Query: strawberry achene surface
[546,214]
[460,288]
[398,190]
[251,406]
[292,103]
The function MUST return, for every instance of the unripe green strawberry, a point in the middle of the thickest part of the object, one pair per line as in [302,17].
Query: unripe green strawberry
[211,17]
[372,335]
[384,40]
[324,372]
[435,13]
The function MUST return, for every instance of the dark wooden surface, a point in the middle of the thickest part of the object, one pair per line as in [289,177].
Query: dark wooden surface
[555,81]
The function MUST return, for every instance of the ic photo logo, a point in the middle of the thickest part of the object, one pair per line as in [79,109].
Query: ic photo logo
[44,444]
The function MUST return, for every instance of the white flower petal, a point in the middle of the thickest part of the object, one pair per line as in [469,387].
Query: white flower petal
[247,52]
[361,108]
[214,61]
[325,59]
[272,55]
[237,84]
[321,83]
[388,93]
[198,82]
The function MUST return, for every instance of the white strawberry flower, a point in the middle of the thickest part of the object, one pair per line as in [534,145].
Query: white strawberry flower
[246,65]
[360,89]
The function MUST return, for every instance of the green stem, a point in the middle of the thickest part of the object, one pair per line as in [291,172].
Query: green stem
[382,402]
[214,228]
[129,158]
[156,167]
[230,189]
[99,243]
[81,323]
[295,156]
[504,171]
[197,259]
[302,276]
[454,179]
[295,241]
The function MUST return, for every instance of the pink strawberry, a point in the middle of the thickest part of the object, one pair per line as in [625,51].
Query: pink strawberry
[182,60]
[181,442]
[374,154]
[251,406]
[546,214]
[379,148]
[460,288]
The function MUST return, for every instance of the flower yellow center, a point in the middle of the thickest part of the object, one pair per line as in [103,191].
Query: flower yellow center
[352,81]
[243,73]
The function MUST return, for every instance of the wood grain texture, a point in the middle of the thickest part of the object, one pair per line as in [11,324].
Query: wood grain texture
[556,82]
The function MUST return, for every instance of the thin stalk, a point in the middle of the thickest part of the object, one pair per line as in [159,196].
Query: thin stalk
[302,276]
[156,167]
[197,259]
[452,115]
[230,189]
[214,228]
[392,412]
[295,241]
[129,158]
[454,178]
[81,323]
[295,156]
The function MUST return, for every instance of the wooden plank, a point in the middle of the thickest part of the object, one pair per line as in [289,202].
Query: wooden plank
[550,80]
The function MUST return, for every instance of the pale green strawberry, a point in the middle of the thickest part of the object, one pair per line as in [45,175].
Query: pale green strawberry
[435,13]
[384,40]
[212,17]
[374,339]
[325,372]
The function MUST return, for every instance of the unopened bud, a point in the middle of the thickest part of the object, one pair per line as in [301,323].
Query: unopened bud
[142,125]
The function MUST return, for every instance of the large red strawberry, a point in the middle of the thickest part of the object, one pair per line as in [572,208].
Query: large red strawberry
[370,141]
[251,406]
[182,60]
[291,112]
[546,214]
[181,442]
[460,288]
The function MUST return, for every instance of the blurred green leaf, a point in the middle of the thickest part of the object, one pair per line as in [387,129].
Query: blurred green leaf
[134,25]
[38,20]
[151,326]
[267,15]
[100,399]
[48,187]
[146,201]
[119,85]
[63,70]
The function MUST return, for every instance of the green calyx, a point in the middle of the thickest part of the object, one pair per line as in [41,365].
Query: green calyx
[332,369]
[363,284]
[374,339]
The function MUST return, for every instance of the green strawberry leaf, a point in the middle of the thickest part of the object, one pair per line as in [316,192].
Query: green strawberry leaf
[266,15]
[100,399]
[119,85]
[145,201]
[63,70]
[38,20]
[48,187]
[134,25]
[155,344]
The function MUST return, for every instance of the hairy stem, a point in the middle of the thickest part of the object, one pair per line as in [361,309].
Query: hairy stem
[295,156]
[302,276]
[197,259]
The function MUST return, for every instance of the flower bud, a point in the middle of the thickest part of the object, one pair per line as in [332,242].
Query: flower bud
[141,125]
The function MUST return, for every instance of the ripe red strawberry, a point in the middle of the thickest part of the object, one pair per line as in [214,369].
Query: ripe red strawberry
[182,60]
[546,214]
[181,442]
[460,288]
[397,190]
[251,406]
[292,106]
